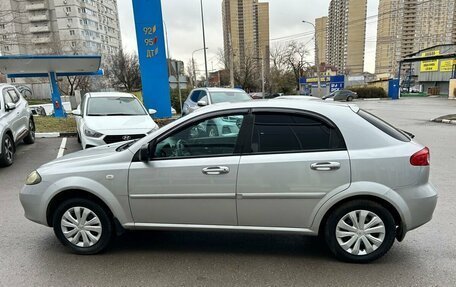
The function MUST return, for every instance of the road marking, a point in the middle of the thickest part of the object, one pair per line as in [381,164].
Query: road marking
[62,148]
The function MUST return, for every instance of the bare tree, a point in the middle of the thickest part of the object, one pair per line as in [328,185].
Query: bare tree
[246,71]
[124,71]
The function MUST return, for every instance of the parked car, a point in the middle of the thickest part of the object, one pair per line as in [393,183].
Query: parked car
[207,96]
[341,96]
[110,117]
[16,123]
[292,167]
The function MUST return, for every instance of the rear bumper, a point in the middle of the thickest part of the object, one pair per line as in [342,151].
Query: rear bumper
[421,202]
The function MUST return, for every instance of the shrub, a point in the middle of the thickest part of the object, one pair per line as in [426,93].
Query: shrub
[175,98]
[369,92]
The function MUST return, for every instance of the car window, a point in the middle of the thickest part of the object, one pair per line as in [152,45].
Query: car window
[7,98]
[202,95]
[231,97]
[195,96]
[384,126]
[280,132]
[114,106]
[212,137]
[14,95]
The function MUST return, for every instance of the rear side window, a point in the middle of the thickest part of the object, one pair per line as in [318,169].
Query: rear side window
[281,132]
[14,95]
[384,126]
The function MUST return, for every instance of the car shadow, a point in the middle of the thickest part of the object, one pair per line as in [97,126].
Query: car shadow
[220,243]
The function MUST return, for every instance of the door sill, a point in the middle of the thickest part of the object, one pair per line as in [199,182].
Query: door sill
[200,227]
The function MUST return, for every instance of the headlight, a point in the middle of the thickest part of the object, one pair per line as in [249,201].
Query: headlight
[92,134]
[33,178]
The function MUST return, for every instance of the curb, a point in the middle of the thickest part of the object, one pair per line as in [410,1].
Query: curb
[54,135]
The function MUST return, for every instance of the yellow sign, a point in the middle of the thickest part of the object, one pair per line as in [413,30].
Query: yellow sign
[446,66]
[315,80]
[430,53]
[430,66]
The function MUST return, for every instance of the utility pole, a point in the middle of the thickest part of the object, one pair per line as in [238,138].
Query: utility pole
[262,76]
[317,64]
[178,84]
[204,43]
[193,63]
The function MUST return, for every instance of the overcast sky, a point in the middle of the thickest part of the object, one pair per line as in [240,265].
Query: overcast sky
[183,20]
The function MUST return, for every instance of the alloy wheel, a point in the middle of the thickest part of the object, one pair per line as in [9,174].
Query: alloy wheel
[81,226]
[360,232]
[9,149]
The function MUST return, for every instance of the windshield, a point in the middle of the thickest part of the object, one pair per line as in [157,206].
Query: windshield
[110,106]
[231,97]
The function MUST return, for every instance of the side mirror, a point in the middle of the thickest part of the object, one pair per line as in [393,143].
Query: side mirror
[152,112]
[77,113]
[202,103]
[144,153]
[10,107]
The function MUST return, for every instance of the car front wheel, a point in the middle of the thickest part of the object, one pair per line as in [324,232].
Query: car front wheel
[360,231]
[83,226]
[7,155]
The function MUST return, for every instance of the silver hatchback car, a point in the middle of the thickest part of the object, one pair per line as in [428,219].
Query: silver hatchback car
[292,166]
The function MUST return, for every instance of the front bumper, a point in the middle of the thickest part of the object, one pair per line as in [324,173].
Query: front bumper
[32,200]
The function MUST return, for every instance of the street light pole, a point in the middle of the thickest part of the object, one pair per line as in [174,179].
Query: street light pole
[204,43]
[317,60]
[193,64]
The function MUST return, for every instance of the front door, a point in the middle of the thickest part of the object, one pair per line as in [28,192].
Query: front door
[294,161]
[191,178]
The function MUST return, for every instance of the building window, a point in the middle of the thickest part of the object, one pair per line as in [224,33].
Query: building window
[7,48]
[68,9]
[2,26]
[71,32]
[73,44]
[5,37]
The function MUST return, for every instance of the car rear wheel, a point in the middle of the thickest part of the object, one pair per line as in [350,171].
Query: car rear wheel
[30,138]
[83,226]
[7,156]
[349,98]
[360,231]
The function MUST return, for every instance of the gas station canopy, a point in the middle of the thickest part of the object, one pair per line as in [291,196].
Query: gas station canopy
[41,65]
[52,66]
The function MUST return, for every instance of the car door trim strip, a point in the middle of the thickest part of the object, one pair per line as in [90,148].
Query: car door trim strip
[283,195]
[185,196]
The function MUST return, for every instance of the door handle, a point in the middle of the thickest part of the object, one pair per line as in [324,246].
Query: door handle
[216,170]
[325,166]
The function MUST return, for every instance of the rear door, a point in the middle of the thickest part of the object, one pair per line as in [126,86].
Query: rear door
[10,118]
[21,110]
[293,161]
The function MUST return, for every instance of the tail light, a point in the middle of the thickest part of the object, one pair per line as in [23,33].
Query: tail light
[421,158]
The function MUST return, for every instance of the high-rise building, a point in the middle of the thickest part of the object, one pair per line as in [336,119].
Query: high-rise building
[59,27]
[321,40]
[246,31]
[346,35]
[408,26]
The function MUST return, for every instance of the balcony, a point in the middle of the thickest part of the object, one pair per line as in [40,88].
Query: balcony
[41,40]
[40,29]
[39,18]
[36,6]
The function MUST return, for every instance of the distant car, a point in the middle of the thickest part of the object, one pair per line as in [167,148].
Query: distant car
[207,96]
[106,118]
[258,96]
[341,96]
[299,97]
[16,123]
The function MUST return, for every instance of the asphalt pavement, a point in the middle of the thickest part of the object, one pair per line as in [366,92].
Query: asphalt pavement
[30,255]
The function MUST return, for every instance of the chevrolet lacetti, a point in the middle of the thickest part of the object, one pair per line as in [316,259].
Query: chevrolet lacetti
[286,166]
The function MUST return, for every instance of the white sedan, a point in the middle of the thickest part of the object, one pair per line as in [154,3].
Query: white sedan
[105,118]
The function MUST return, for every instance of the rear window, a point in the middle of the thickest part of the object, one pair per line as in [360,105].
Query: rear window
[384,126]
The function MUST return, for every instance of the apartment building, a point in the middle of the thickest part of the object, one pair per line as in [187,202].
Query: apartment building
[59,27]
[346,34]
[246,31]
[321,40]
[408,26]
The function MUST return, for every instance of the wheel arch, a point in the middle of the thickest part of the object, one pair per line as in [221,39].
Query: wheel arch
[9,132]
[399,221]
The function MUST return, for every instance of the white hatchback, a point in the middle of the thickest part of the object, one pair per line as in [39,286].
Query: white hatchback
[106,118]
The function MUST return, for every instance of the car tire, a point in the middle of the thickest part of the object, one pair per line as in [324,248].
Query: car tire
[91,235]
[349,99]
[356,241]
[212,131]
[30,138]
[7,155]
